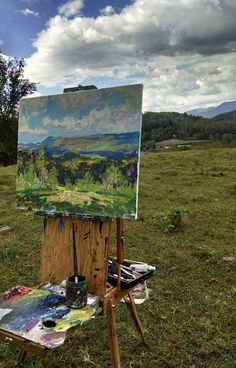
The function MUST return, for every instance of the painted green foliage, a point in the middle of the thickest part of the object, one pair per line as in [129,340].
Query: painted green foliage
[78,153]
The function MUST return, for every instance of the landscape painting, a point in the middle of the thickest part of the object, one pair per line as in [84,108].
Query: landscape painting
[78,153]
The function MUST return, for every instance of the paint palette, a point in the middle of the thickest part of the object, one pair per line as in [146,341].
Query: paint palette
[40,316]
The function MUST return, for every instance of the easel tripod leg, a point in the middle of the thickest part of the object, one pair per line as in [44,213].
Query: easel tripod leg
[129,300]
[21,358]
[114,345]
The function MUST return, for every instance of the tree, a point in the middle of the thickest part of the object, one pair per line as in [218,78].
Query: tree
[13,86]
[227,138]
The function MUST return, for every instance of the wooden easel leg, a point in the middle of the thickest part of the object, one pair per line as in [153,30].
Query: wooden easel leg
[21,358]
[129,300]
[114,345]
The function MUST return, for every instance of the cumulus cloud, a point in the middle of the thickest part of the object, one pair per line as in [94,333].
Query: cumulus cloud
[24,128]
[97,121]
[67,122]
[108,10]
[182,51]
[71,8]
[27,12]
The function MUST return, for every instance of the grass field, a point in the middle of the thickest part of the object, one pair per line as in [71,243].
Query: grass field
[190,317]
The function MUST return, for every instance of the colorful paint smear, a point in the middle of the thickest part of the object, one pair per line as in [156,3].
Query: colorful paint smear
[78,153]
[41,316]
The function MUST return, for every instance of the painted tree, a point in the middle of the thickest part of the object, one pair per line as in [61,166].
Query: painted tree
[52,176]
[113,177]
[41,168]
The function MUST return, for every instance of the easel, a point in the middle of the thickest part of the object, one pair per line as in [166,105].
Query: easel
[92,243]
[92,239]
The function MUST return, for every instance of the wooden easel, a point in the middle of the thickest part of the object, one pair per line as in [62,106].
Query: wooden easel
[92,245]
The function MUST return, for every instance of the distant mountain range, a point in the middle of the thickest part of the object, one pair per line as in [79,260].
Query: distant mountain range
[228,117]
[211,112]
[111,146]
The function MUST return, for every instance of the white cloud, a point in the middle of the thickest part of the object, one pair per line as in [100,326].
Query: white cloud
[105,120]
[27,12]
[68,122]
[98,120]
[108,10]
[24,128]
[184,52]
[37,131]
[71,8]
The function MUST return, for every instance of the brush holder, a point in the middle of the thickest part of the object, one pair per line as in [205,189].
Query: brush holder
[76,292]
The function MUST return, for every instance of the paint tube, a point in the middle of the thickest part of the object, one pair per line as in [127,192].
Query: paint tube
[142,267]
[56,289]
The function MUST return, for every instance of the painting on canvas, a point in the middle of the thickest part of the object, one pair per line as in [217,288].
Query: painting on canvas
[78,153]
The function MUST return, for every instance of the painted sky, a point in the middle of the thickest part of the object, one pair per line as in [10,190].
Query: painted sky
[103,111]
[184,52]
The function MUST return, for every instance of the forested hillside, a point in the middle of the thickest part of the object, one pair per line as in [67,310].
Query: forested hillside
[227,116]
[157,126]
[166,125]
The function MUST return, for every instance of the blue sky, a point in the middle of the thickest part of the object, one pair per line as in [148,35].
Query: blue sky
[18,27]
[183,51]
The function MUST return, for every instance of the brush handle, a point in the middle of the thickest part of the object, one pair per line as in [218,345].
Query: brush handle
[76,272]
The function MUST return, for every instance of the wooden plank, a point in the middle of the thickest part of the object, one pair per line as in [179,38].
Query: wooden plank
[129,300]
[113,337]
[119,241]
[119,249]
[21,358]
[115,295]
[92,243]
[22,343]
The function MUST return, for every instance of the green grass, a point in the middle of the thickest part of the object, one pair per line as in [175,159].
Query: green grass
[189,319]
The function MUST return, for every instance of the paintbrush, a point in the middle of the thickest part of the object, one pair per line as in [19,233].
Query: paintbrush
[76,272]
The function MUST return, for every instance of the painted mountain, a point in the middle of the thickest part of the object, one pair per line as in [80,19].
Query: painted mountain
[78,153]
[213,111]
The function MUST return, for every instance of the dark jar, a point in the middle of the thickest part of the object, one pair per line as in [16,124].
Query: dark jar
[76,292]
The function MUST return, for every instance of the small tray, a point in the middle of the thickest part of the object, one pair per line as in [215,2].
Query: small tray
[127,284]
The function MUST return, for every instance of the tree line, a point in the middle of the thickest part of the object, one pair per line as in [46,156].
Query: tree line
[161,126]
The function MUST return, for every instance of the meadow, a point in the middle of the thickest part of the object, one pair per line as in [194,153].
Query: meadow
[190,318]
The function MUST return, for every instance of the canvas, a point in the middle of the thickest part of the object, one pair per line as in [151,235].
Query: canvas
[78,153]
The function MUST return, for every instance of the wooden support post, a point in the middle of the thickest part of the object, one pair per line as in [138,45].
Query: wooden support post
[20,358]
[129,300]
[114,345]
[119,248]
